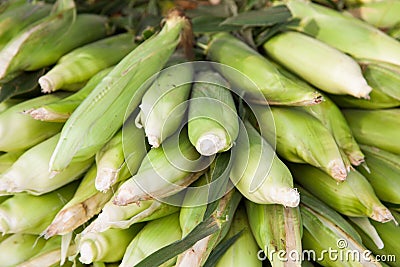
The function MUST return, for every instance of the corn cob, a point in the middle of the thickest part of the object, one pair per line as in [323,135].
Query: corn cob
[86,203]
[353,197]
[30,171]
[258,173]
[244,251]
[213,129]
[61,110]
[363,124]
[348,34]
[18,248]
[322,232]
[389,233]
[19,132]
[338,74]
[113,216]
[164,171]
[276,229]
[8,159]
[332,118]
[27,51]
[82,63]
[258,80]
[20,213]
[112,167]
[112,97]
[154,235]
[317,146]
[190,217]
[381,14]
[15,20]
[164,103]
[383,76]
[94,247]
[383,173]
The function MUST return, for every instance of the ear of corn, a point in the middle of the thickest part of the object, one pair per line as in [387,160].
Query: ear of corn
[154,235]
[332,118]
[189,219]
[18,248]
[353,197]
[94,247]
[110,159]
[30,173]
[275,229]
[244,251]
[14,20]
[381,14]
[213,129]
[19,214]
[81,64]
[164,103]
[86,203]
[321,233]
[346,33]
[337,74]
[164,171]
[27,52]
[61,110]
[18,131]
[258,173]
[258,79]
[363,124]
[112,97]
[317,146]
[383,173]
[113,216]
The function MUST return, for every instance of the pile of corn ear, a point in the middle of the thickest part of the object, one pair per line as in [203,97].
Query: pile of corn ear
[199,133]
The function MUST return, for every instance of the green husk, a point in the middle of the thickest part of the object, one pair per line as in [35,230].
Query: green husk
[24,213]
[346,33]
[164,104]
[363,124]
[119,93]
[86,203]
[381,14]
[61,110]
[317,146]
[154,235]
[258,173]
[8,159]
[190,217]
[9,103]
[332,118]
[244,251]
[383,173]
[212,120]
[276,229]
[337,73]
[121,157]
[30,172]
[62,32]
[164,171]
[20,132]
[353,197]
[82,63]
[254,77]
[15,20]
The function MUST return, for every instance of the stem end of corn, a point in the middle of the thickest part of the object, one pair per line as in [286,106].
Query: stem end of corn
[154,141]
[210,144]
[88,252]
[337,170]
[46,84]
[105,178]
[382,214]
